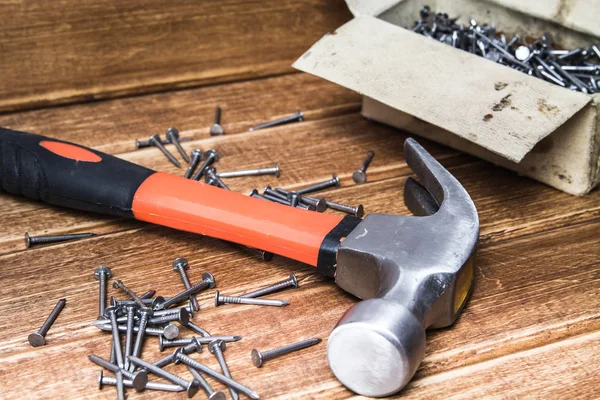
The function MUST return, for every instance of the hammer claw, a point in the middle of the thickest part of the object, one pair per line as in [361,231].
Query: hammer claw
[418,200]
[412,272]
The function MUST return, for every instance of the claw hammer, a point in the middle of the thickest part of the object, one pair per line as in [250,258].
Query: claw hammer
[412,272]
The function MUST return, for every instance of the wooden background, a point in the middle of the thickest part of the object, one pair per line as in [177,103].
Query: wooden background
[531,328]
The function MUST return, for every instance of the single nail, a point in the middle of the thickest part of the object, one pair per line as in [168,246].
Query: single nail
[208,281]
[318,205]
[164,343]
[264,255]
[147,295]
[33,240]
[180,357]
[39,338]
[156,142]
[277,197]
[168,332]
[217,347]
[145,315]
[102,273]
[296,117]
[333,182]
[190,386]
[180,265]
[138,379]
[183,317]
[210,392]
[119,384]
[357,211]
[131,309]
[196,158]
[251,172]
[111,312]
[140,144]
[216,129]
[259,358]
[197,329]
[291,282]
[220,300]
[193,346]
[165,387]
[360,175]
[118,284]
[173,137]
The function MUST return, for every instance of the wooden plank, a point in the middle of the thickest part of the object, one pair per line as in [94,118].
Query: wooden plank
[112,126]
[74,51]
[542,302]
[565,369]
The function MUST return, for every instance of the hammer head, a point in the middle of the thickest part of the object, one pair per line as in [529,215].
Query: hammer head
[412,272]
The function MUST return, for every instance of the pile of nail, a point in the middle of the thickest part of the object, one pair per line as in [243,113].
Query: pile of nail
[147,315]
[576,69]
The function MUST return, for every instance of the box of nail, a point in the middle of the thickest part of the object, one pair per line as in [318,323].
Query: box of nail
[515,83]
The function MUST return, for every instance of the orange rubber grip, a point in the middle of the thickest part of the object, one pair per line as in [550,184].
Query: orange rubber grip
[192,206]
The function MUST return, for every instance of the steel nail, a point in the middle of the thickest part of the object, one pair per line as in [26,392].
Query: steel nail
[140,144]
[208,281]
[210,392]
[173,137]
[297,117]
[217,347]
[180,265]
[360,175]
[259,358]
[165,387]
[291,282]
[118,284]
[190,386]
[39,338]
[102,274]
[180,357]
[33,240]
[251,172]
[333,182]
[155,141]
[216,129]
[196,158]
[220,300]
[137,379]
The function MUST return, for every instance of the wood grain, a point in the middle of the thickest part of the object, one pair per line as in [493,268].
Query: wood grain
[59,52]
[113,126]
[534,314]
[510,304]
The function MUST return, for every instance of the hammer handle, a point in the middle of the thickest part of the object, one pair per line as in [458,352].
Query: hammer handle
[69,175]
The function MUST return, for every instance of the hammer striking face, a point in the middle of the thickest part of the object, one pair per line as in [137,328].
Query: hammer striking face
[412,272]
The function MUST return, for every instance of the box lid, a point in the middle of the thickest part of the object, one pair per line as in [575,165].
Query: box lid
[495,107]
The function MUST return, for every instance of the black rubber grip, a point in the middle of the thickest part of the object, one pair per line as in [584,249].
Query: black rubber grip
[29,168]
[327,258]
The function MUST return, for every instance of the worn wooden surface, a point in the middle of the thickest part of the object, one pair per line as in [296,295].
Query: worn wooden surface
[531,328]
[77,50]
